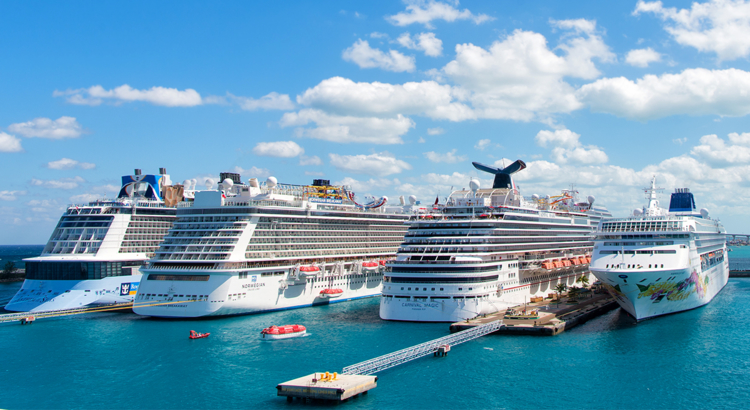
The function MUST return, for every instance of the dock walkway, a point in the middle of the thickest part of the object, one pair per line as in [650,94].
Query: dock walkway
[553,318]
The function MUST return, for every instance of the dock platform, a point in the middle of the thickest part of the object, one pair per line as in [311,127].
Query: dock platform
[553,318]
[314,387]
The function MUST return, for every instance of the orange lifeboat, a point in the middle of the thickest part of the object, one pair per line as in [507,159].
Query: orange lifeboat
[566,262]
[369,265]
[283,332]
[558,264]
[575,261]
[588,259]
[309,270]
[331,293]
[382,262]
[196,335]
[548,265]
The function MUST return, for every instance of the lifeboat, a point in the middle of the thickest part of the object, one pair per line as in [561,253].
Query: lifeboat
[196,335]
[566,262]
[309,270]
[382,263]
[575,261]
[588,259]
[558,264]
[370,266]
[331,293]
[548,265]
[283,332]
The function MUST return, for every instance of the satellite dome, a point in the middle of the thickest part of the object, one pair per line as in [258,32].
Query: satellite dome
[412,199]
[228,183]
[704,213]
[637,212]
[474,184]
[193,183]
[209,183]
[401,200]
[591,199]
[186,184]
[271,182]
[253,182]
[535,197]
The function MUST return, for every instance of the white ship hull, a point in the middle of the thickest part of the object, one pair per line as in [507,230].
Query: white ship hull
[46,295]
[461,308]
[227,294]
[685,289]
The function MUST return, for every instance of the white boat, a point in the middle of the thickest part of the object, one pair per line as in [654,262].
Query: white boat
[331,293]
[257,247]
[661,261]
[95,253]
[487,250]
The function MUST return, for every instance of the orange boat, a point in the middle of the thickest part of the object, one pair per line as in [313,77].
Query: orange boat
[196,335]
[283,332]
[331,293]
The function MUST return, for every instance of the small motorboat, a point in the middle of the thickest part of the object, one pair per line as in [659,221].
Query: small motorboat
[331,293]
[283,332]
[196,335]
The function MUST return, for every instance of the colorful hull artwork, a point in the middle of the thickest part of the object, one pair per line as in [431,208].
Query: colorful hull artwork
[677,291]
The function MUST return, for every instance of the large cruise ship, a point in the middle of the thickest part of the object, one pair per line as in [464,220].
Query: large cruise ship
[95,253]
[487,250]
[661,261]
[256,247]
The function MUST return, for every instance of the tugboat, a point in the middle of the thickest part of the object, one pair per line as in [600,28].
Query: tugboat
[331,293]
[196,335]
[283,332]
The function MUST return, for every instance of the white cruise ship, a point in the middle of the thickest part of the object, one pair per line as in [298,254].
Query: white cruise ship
[267,246]
[662,261]
[95,253]
[487,250]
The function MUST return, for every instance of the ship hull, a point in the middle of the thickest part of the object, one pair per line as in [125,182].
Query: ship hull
[49,295]
[226,294]
[683,289]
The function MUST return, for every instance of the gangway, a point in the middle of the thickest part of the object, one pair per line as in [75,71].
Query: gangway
[17,317]
[424,349]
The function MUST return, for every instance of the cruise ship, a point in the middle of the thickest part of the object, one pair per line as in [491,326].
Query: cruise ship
[258,247]
[487,250]
[661,261]
[96,251]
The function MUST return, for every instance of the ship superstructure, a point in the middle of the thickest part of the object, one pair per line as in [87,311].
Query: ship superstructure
[661,261]
[487,250]
[97,249]
[255,247]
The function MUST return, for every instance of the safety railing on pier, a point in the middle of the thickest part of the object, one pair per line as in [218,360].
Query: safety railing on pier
[16,317]
[424,349]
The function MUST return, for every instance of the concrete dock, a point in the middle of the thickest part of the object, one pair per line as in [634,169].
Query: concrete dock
[553,318]
[316,387]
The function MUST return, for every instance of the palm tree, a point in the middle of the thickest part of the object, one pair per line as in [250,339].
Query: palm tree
[10,268]
[560,288]
[572,294]
[583,280]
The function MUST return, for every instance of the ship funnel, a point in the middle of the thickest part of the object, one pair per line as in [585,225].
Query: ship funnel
[502,176]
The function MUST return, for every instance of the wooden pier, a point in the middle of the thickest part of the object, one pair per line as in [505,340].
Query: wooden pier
[553,318]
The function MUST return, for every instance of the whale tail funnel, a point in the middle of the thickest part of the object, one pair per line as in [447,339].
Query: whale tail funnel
[502,176]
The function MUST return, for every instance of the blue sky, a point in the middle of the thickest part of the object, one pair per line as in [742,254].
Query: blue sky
[392,98]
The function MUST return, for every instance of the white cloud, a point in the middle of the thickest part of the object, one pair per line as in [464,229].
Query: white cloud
[642,57]
[347,129]
[271,101]
[364,56]
[62,183]
[716,152]
[67,163]
[421,140]
[344,96]
[695,91]
[279,149]
[520,78]
[376,34]
[717,26]
[63,127]
[435,131]
[168,97]
[86,198]
[448,157]
[9,143]
[252,172]
[577,25]
[379,164]
[482,144]
[567,147]
[427,42]
[314,160]
[11,195]
[424,12]
[679,141]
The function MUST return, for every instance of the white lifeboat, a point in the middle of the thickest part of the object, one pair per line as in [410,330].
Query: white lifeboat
[283,332]
[370,266]
[331,293]
[310,270]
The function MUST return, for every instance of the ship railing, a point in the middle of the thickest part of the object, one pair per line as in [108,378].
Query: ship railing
[438,262]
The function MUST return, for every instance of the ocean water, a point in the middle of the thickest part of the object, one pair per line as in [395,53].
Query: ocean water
[16,254]
[691,360]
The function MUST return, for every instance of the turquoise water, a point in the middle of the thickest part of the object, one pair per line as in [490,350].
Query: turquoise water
[695,359]
[16,254]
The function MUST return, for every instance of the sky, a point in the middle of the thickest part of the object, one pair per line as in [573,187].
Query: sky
[390,97]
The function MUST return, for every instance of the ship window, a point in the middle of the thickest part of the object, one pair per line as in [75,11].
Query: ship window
[441,288]
[409,288]
[662,265]
[460,288]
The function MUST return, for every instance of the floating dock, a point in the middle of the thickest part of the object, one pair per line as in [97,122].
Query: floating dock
[315,387]
[552,318]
